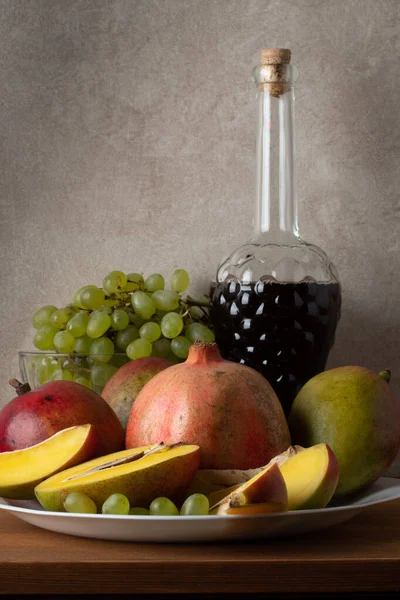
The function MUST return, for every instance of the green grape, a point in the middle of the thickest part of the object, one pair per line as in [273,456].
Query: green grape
[44,337]
[139,348]
[196,504]
[102,349]
[150,331]
[171,325]
[83,344]
[76,502]
[196,313]
[68,375]
[43,316]
[109,303]
[101,373]
[44,368]
[135,277]
[114,281]
[119,319]
[163,507]
[126,336]
[42,376]
[91,297]
[84,381]
[180,346]
[55,365]
[77,325]
[154,282]
[161,348]
[116,504]
[131,287]
[136,320]
[166,300]
[143,305]
[61,316]
[138,510]
[179,280]
[62,375]
[99,322]
[198,331]
[64,342]
[76,300]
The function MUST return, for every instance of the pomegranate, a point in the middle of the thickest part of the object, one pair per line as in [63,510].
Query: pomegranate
[229,410]
[122,388]
[34,416]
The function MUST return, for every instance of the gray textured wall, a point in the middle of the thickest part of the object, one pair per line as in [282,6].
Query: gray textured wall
[126,140]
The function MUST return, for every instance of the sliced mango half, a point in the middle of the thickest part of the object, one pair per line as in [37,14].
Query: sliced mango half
[141,474]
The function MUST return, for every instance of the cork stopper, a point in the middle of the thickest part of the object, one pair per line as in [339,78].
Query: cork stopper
[274,63]
[275,56]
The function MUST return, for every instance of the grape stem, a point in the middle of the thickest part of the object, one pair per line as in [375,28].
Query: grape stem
[200,303]
[189,302]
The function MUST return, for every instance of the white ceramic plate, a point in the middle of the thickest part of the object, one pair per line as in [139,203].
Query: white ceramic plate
[201,529]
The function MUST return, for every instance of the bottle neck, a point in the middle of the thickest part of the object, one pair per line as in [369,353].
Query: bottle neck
[276,204]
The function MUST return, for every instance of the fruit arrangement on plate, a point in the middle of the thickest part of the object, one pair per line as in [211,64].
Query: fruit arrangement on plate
[194,436]
[134,411]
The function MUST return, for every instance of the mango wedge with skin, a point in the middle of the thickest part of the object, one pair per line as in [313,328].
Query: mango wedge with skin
[22,470]
[311,477]
[219,495]
[207,481]
[267,487]
[141,474]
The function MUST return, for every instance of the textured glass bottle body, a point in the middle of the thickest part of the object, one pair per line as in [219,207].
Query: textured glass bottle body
[276,300]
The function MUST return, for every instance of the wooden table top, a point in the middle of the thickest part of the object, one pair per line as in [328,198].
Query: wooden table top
[362,554]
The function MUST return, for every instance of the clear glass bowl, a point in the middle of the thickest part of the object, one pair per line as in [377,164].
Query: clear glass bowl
[37,368]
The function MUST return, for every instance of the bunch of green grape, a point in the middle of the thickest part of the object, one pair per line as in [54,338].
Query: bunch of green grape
[118,504]
[129,317]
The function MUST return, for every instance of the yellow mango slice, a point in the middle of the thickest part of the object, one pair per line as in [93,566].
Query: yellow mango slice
[22,470]
[311,477]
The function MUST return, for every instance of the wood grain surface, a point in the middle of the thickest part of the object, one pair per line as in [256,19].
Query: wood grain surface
[360,555]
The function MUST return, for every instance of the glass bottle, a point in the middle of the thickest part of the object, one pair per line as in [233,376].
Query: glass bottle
[276,300]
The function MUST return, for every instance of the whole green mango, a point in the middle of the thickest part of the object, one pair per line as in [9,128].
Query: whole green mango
[356,413]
